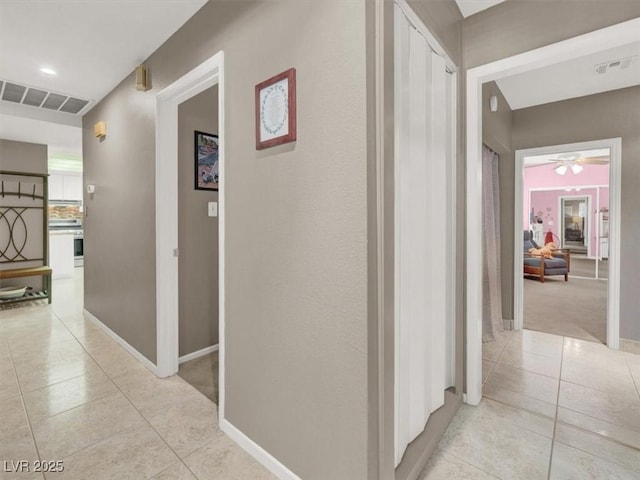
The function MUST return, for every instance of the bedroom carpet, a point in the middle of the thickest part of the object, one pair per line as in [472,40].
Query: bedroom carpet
[577,308]
[585,267]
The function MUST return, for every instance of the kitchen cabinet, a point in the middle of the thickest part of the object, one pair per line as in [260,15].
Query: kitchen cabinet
[65,186]
[61,254]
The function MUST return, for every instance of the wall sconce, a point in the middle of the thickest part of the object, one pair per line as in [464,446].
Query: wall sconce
[91,189]
[493,103]
[100,130]
[141,78]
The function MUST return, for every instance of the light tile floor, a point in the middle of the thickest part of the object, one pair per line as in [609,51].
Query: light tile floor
[554,408]
[68,392]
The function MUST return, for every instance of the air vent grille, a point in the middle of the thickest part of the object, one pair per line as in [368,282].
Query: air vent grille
[73,105]
[13,92]
[35,97]
[54,101]
[619,64]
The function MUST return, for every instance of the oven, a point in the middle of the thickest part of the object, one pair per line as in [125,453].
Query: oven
[70,226]
[78,249]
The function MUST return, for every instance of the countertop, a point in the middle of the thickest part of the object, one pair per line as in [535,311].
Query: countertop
[64,232]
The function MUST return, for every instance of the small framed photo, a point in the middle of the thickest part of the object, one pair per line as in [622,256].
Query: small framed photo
[206,161]
[276,110]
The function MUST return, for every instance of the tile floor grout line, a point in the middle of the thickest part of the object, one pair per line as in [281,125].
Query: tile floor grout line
[584,430]
[143,417]
[597,418]
[24,406]
[633,379]
[596,455]
[130,403]
[555,420]
[451,454]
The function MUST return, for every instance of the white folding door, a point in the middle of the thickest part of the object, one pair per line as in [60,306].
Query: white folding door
[424,162]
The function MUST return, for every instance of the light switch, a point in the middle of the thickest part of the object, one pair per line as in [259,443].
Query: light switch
[213,209]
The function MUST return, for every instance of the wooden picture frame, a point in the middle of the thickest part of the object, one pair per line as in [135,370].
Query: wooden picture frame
[276,110]
[205,148]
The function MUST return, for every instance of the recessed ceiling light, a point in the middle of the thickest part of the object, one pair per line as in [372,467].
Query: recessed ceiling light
[48,71]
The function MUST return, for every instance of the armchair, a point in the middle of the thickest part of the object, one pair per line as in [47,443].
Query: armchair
[540,266]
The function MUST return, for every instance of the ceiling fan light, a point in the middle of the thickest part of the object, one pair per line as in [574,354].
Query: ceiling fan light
[561,169]
[576,168]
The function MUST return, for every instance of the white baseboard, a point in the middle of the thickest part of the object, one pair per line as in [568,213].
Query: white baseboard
[257,452]
[198,354]
[122,342]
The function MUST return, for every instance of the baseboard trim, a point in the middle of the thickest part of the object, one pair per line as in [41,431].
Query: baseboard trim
[122,342]
[630,346]
[198,354]
[256,451]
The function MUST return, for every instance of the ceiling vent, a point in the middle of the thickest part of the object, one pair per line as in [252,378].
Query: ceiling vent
[35,97]
[620,64]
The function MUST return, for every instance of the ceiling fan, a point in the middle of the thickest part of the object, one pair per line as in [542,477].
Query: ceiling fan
[575,162]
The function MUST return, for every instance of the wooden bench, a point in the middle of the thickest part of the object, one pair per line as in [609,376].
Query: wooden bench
[30,272]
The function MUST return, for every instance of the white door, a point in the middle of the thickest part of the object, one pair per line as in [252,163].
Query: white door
[424,238]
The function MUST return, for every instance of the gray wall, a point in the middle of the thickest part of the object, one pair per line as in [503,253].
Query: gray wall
[197,232]
[443,18]
[607,115]
[296,232]
[23,157]
[29,158]
[517,26]
[496,134]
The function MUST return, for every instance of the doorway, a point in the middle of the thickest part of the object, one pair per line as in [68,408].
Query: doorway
[564,194]
[198,242]
[202,77]
[611,37]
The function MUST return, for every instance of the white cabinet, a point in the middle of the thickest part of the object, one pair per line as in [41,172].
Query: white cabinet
[65,186]
[56,188]
[73,187]
[61,254]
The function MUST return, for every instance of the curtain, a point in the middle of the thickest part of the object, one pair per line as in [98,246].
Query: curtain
[423,367]
[492,322]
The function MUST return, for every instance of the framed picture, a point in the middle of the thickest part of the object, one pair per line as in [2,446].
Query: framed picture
[206,161]
[276,110]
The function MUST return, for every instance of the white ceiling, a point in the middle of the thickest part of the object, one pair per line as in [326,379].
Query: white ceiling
[470,7]
[91,44]
[572,79]
[61,139]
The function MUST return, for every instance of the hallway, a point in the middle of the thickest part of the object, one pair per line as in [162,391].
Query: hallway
[554,408]
[69,393]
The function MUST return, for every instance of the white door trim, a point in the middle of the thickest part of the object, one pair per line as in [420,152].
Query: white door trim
[615,179]
[597,41]
[205,75]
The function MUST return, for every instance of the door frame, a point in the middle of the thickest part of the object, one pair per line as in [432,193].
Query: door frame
[615,180]
[205,75]
[597,41]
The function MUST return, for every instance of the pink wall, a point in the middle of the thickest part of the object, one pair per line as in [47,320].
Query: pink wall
[547,201]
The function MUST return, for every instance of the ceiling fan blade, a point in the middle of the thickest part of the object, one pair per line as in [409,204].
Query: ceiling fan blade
[600,160]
